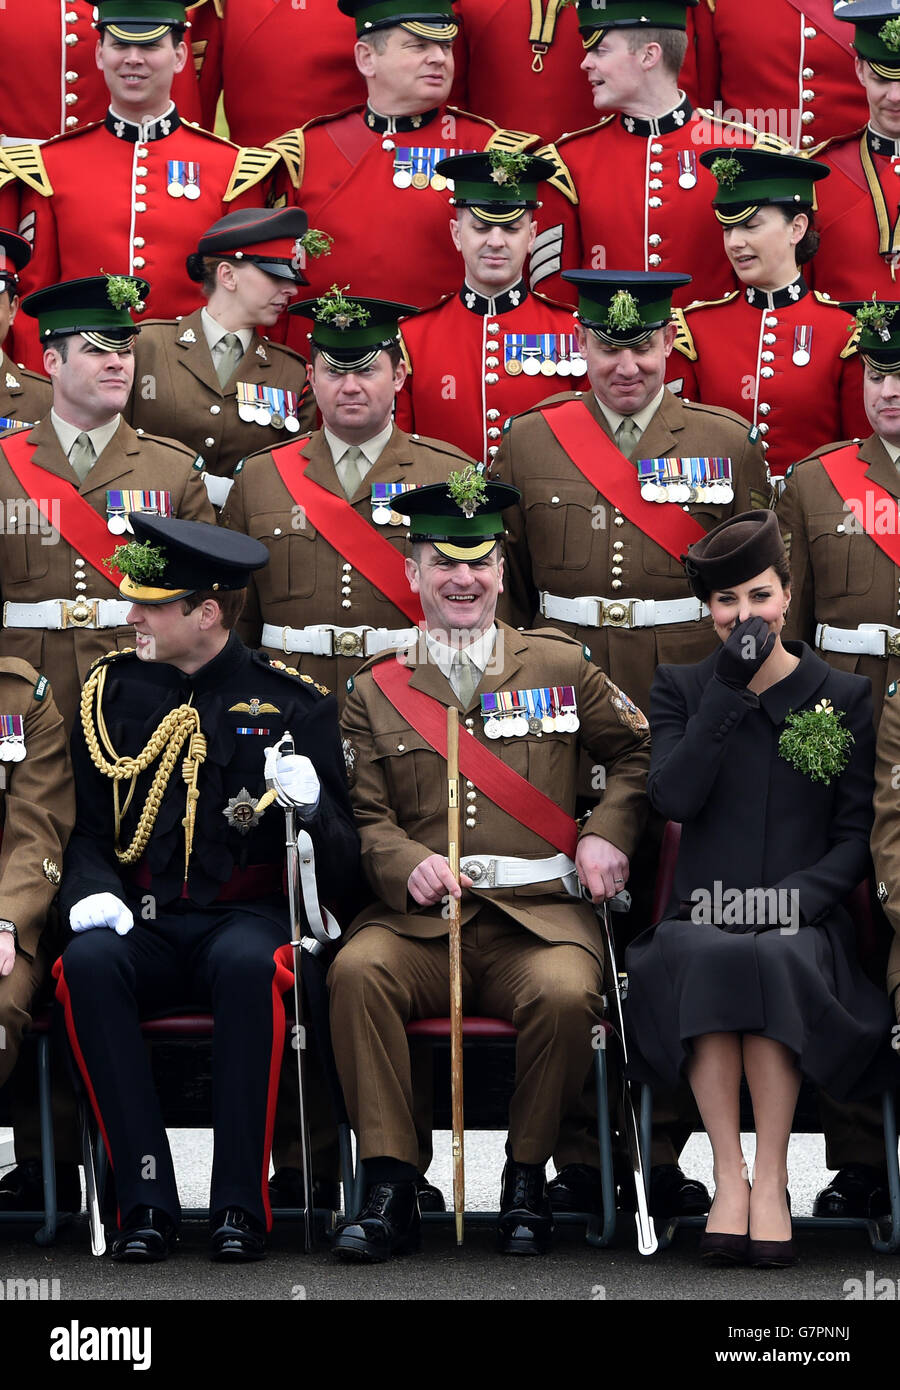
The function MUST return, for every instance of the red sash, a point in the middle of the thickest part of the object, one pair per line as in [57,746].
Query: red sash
[83,528]
[595,455]
[502,784]
[351,536]
[865,499]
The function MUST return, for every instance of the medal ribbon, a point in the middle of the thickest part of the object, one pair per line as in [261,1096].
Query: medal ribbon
[595,456]
[518,798]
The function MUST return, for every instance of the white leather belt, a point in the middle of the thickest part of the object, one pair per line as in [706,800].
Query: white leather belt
[622,612]
[324,639]
[868,639]
[507,871]
[56,613]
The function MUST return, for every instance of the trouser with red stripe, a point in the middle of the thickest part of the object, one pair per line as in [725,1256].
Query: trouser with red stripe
[226,960]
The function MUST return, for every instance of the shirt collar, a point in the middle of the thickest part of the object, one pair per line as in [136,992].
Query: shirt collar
[67,434]
[398,125]
[371,450]
[135,131]
[882,144]
[479,652]
[777,299]
[641,418]
[676,119]
[214,332]
[892,450]
[499,304]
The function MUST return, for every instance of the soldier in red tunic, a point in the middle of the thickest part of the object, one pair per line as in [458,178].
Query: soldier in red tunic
[858,206]
[774,346]
[647,210]
[383,156]
[158,182]
[493,349]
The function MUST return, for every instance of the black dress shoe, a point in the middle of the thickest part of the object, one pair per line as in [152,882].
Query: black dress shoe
[771,1254]
[721,1247]
[674,1194]
[389,1224]
[857,1190]
[147,1236]
[526,1221]
[431,1198]
[22,1188]
[237,1236]
[576,1188]
[286,1190]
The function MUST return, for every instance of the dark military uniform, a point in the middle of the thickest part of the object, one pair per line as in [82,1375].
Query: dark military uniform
[885,847]
[177,393]
[220,937]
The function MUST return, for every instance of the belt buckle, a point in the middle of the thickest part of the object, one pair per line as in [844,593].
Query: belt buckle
[80,613]
[481,874]
[616,613]
[892,643]
[347,643]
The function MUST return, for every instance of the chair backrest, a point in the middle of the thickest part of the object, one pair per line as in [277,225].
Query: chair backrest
[665,871]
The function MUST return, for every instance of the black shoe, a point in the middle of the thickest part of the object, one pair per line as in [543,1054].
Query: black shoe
[22,1188]
[576,1188]
[856,1190]
[236,1235]
[526,1221]
[771,1254]
[723,1248]
[674,1194]
[389,1224]
[148,1236]
[286,1190]
[431,1198]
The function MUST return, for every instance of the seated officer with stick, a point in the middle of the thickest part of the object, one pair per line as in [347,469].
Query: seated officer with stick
[175,892]
[529,704]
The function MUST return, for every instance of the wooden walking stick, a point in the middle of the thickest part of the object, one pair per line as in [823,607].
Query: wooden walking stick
[456,1041]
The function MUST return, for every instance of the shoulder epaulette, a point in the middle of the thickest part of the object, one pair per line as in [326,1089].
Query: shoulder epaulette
[711,303]
[851,347]
[328,116]
[825,145]
[550,301]
[291,150]
[291,672]
[439,446]
[587,129]
[27,164]
[560,179]
[510,139]
[110,657]
[15,666]
[684,338]
[172,445]
[251,165]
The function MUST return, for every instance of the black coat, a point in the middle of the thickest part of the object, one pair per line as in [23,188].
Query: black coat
[750,820]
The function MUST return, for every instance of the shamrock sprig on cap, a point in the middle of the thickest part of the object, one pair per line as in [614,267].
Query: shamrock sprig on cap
[316,243]
[889,34]
[816,743]
[726,171]
[140,561]
[507,167]
[335,309]
[123,292]
[623,312]
[874,317]
[467,489]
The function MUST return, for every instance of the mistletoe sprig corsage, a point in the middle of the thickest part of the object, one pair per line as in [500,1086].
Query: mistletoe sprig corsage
[816,743]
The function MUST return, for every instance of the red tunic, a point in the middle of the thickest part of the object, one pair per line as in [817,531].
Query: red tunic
[389,242]
[460,388]
[848,264]
[637,216]
[798,83]
[108,209]
[744,359]
[51,82]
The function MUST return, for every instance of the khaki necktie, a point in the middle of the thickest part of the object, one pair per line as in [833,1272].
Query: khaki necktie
[230,352]
[627,435]
[354,467]
[464,677]
[82,456]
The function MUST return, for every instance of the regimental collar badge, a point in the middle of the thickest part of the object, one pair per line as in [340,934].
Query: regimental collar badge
[188,336]
[661,125]
[135,133]
[499,304]
[780,299]
[397,125]
[11,383]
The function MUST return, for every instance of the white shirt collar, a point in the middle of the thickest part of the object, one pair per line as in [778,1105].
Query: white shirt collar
[479,652]
[371,450]
[641,418]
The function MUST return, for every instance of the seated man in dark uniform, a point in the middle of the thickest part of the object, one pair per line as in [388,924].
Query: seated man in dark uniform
[174,884]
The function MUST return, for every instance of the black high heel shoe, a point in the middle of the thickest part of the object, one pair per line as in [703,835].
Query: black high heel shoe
[722,1247]
[772,1254]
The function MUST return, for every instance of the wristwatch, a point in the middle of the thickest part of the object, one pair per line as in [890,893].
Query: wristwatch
[10,927]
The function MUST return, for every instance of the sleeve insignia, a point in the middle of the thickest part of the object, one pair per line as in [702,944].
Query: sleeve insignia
[51,872]
[560,179]
[291,147]
[684,338]
[27,163]
[626,710]
[250,167]
[349,761]
[760,501]
[883,893]
[41,687]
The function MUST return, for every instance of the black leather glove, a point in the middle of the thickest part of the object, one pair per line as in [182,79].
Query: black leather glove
[744,652]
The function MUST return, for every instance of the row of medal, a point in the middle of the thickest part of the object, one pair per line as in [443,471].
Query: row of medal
[686,480]
[414,167]
[544,354]
[383,495]
[12,738]
[515,713]
[183,179]
[121,501]
[268,405]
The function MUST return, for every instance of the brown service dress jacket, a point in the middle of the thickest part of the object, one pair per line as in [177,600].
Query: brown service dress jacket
[177,393]
[36,566]
[566,538]
[400,791]
[308,581]
[24,395]
[839,575]
[886,830]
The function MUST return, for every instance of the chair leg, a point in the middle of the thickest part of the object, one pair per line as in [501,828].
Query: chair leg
[602,1236]
[46,1234]
[889,1116]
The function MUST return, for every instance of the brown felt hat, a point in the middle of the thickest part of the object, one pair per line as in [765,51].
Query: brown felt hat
[733,552]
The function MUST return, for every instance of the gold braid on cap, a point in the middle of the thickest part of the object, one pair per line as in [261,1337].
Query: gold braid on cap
[178,726]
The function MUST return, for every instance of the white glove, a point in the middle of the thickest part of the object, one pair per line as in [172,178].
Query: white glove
[296,783]
[101,910]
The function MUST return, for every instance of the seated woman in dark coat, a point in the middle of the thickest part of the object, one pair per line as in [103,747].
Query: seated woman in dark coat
[765,754]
